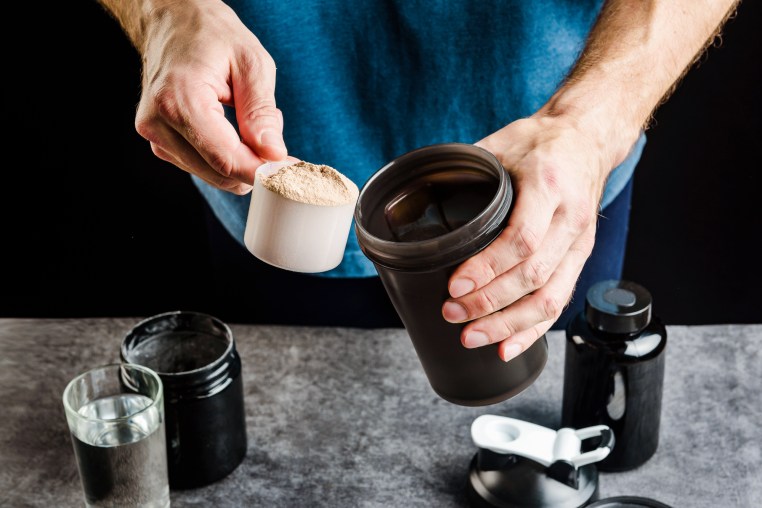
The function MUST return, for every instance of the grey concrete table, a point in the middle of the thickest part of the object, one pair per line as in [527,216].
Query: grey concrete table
[346,418]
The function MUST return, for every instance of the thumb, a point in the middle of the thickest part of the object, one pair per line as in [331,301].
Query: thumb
[260,122]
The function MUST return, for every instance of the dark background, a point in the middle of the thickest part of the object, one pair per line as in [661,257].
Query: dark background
[94,225]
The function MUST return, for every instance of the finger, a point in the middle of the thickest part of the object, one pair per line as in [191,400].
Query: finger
[513,347]
[173,148]
[260,122]
[522,279]
[521,238]
[232,186]
[545,304]
[195,112]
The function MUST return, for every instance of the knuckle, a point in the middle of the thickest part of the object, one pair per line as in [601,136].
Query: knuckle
[525,242]
[584,244]
[490,266]
[481,268]
[221,162]
[253,58]
[581,216]
[159,152]
[507,327]
[167,104]
[550,307]
[263,108]
[534,274]
[486,302]
[147,127]
[549,176]
[544,171]
[260,66]
[534,333]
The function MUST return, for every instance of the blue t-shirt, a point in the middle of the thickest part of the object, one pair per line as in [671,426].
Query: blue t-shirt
[360,83]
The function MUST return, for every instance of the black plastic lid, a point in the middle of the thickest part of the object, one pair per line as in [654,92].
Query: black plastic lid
[521,482]
[618,306]
[627,502]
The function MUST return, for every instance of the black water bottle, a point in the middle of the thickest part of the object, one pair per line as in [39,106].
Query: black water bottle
[614,370]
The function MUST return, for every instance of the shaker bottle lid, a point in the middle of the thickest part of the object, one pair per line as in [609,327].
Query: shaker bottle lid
[618,306]
[519,463]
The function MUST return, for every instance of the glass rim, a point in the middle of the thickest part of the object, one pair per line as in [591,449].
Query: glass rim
[154,400]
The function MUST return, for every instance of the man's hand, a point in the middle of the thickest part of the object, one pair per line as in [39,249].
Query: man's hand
[517,287]
[197,55]
[559,159]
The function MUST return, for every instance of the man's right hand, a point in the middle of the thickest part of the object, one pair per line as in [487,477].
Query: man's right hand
[197,55]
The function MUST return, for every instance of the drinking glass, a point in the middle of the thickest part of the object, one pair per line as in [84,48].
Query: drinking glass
[116,419]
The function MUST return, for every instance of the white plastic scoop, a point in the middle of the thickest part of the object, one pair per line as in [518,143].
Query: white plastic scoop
[292,235]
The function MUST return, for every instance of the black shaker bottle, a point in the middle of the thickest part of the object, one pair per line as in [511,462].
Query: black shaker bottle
[614,370]
[417,219]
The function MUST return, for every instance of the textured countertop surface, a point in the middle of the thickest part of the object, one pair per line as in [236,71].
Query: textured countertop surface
[346,418]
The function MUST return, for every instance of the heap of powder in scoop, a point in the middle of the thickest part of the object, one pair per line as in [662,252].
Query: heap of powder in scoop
[312,184]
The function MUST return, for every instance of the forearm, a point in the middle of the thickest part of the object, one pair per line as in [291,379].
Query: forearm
[133,16]
[635,55]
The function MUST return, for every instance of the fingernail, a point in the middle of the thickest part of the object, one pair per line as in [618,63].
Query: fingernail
[475,339]
[454,312]
[271,138]
[511,351]
[460,287]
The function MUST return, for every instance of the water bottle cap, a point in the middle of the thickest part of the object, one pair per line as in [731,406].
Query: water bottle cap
[618,306]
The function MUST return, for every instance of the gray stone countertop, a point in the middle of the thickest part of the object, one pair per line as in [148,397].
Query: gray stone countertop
[342,417]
